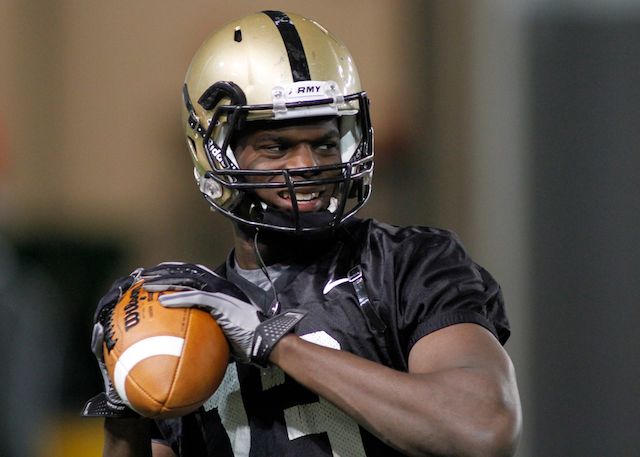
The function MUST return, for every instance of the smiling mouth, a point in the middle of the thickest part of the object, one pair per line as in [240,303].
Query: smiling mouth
[306,200]
[300,196]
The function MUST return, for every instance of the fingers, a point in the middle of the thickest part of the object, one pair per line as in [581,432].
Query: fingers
[135,274]
[221,306]
[217,300]
[97,338]
[185,270]
[153,287]
[187,276]
[207,270]
[188,299]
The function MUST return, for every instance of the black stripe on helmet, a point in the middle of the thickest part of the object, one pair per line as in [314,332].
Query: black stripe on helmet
[293,44]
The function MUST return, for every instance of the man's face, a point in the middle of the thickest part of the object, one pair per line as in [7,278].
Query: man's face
[305,143]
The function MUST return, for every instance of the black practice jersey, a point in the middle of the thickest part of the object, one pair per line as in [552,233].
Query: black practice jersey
[374,293]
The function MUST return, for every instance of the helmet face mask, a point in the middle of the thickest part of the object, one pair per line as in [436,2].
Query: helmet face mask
[235,91]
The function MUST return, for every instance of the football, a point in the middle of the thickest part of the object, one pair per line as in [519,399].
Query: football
[163,362]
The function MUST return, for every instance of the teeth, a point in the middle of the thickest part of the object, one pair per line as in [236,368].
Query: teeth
[302,197]
[307,197]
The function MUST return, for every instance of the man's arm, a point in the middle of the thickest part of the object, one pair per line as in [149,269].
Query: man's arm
[458,398]
[161,450]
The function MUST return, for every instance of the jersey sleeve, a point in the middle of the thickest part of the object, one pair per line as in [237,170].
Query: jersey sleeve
[438,284]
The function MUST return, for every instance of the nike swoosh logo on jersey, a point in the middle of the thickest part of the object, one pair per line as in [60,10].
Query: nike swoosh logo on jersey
[331,284]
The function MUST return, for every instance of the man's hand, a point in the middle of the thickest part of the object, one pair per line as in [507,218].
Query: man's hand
[252,338]
[108,403]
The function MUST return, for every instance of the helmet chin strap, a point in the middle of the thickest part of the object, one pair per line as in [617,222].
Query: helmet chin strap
[275,306]
[271,216]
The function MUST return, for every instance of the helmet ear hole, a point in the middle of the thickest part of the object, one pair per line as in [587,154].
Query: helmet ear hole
[222,89]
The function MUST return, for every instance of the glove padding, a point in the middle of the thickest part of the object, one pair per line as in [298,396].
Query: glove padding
[108,403]
[188,276]
[250,335]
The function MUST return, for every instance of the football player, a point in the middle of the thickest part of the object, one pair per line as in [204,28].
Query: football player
[349,337]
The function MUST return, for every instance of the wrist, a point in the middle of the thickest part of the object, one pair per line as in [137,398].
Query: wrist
[279,351]
[270,332]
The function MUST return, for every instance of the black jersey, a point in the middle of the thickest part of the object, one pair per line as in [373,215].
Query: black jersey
[375,293]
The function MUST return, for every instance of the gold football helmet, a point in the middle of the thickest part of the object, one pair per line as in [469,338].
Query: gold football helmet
[276,66]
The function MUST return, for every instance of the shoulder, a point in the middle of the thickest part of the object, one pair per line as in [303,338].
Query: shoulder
[433,280]
[400,233]
[403,257]
[400,241]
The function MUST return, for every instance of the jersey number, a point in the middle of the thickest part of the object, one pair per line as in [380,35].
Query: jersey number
[321,416]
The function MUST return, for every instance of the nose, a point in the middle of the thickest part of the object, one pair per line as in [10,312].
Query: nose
[302,156]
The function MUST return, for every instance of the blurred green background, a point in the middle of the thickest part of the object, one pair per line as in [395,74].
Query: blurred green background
[513,123]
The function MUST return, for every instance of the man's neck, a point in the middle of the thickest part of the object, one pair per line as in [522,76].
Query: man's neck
[274,247]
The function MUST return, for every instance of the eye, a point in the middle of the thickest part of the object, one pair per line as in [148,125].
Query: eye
[327,148]
[272,148]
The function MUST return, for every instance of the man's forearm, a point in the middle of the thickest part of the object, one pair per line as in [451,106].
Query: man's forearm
[458,411]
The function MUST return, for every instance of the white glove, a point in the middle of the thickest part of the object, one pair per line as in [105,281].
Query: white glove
[251,337]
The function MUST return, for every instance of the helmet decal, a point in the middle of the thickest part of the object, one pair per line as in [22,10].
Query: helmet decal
[293,44]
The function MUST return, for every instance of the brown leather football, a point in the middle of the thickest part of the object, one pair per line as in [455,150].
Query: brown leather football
[163,362]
